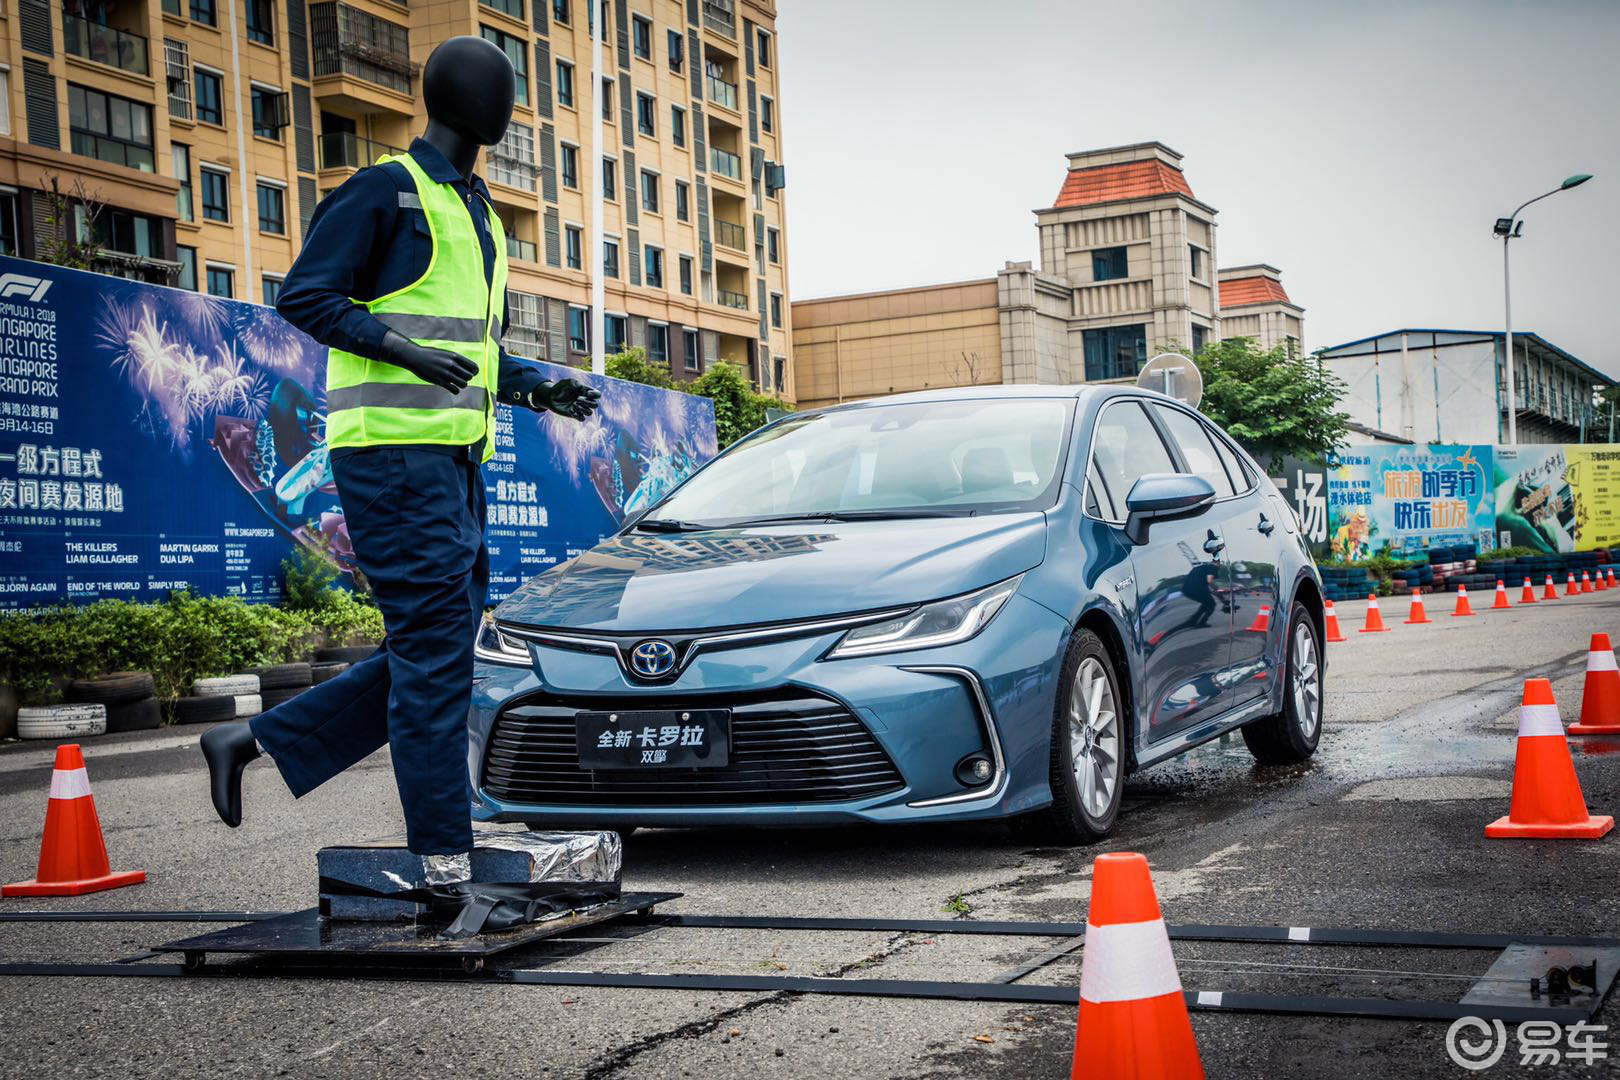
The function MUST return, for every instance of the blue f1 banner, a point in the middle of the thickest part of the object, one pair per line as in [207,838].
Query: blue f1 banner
[154,439]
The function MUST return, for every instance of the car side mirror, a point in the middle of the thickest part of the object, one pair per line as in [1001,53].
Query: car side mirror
[1164,497]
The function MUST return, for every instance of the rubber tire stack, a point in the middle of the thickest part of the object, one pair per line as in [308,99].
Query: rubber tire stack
[279,683]
[130,698]
[61,721]
[203,709]
[348,654]
[322,670]
[244,688]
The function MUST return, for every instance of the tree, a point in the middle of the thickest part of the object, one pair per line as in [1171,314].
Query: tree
[67,242]
[738,408]
[1274,403]
[632,365]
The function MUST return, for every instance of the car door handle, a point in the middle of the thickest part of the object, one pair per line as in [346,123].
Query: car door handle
[1214,545]
[1266,527]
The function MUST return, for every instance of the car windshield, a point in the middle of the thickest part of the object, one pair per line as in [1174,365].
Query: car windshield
[913,459]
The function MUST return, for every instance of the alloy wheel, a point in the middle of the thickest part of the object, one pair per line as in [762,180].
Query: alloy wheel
[1305,676]
[1094,737]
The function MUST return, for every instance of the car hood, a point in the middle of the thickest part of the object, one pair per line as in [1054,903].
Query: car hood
[746,576]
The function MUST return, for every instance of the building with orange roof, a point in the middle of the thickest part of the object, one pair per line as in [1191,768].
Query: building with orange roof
[1255,305]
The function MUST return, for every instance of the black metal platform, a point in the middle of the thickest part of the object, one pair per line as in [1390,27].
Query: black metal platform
[305,936]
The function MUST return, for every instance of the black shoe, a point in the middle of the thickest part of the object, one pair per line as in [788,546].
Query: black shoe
[227,749]
[449,905]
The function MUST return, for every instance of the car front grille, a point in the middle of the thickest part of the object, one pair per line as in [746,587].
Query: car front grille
[787,746]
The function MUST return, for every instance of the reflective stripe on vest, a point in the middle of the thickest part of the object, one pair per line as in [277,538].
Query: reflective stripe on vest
[451,306]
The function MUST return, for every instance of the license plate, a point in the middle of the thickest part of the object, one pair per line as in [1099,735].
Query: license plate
[654,739]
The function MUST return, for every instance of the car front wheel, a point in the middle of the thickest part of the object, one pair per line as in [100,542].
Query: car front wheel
[1089,741]
[1291,735]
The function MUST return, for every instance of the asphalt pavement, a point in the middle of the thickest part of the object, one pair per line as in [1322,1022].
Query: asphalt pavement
[1382,829]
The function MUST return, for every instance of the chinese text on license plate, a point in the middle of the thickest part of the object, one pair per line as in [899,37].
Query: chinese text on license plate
[654,739]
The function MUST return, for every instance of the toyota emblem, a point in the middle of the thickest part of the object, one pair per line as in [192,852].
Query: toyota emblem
[652,659]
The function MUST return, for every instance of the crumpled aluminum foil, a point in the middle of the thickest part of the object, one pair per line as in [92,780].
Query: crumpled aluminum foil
[563,856]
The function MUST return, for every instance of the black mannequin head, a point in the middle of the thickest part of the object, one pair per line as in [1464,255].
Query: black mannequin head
[468,86]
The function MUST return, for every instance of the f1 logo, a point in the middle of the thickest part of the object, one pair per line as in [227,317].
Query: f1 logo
[29,288]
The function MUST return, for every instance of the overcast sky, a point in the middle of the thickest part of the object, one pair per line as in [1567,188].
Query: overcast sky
[1364,148]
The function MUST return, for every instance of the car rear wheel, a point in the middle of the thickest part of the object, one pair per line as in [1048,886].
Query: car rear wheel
[1291,735]
[1089,741]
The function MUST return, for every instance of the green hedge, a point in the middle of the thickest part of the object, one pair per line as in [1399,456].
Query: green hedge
[185,638]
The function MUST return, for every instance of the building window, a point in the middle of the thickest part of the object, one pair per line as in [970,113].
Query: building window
[272,209]
[180,169]
[203,11]
[683,201]
[221,281]
[646,105]
[767,114]
[1115,352]
[110,128]
[272,290]
[187,257]
[762,50]
[607,100]
[513,8]
[511,161]
[776,311]
[773,244]
[613,333]
[641,36]
[1109,264]
[177,75]
[261,21]
[610,258]
[270,107]
[653,260]
[5,102]
[1200,337]
[570,166]
[216,202]
[578,325]
[209,107]
[122,231]
[517,52]
[686,275]
[565,83]
[649,191]
[525,324]
[575,242]
[610,178]
[689,347]
[658,344]
[677,50]
[1195,260]
[677,125]
[559,11]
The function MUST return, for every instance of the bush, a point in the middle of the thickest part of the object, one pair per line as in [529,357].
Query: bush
[309,578]
[179,640]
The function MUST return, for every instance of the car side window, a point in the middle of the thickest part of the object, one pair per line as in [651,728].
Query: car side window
[1197,449]
[1125,446]
[1240,476]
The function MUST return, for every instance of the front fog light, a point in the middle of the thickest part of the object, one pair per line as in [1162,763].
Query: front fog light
[944,622]
[493,647]
[973,770]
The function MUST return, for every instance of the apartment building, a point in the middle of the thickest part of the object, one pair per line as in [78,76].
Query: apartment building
[210,129]
[1127,270]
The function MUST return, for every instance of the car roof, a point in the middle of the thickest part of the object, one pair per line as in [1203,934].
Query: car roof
[997,391]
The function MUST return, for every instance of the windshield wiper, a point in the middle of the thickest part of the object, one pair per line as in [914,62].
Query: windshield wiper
[669,525]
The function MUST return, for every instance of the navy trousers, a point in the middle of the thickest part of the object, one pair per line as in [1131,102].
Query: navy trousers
[416,519]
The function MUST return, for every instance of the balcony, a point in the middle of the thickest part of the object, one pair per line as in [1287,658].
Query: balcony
[346,150]
[521,249]
[730,236]
[722,92]
[720,16]
[104,44]
[732,299]
[345,41]
[725,163]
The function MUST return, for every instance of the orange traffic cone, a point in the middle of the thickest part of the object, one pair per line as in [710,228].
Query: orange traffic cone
[1375,619]
[1529,594]
[1463,609]
[1552,590]
[1501,596]
[1332,621]
[72,857]
[1611,578]
[1133,1015]
[1586,582]
[1417,615]
[1262,620]
[1547,800]
[1600,698]
[1598,584]
[1573,588]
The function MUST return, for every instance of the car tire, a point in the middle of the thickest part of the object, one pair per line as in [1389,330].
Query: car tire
[203,709]
[61,721]
[119,688]
[142,715]
[235,685]
[1290,736]
[1083,812]
[248,705]
[322,670]
[282,676]
[269,699]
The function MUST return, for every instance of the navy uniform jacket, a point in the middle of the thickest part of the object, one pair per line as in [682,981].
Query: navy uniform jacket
[360,246]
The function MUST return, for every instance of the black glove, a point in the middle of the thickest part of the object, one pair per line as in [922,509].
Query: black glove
[441,367]
[565,397]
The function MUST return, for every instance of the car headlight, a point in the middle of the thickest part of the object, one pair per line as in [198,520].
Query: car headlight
[493,647]
[944,622]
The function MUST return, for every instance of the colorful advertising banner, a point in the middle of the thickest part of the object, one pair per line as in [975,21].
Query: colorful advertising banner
[1558,498]
[155,439]
[1406,498]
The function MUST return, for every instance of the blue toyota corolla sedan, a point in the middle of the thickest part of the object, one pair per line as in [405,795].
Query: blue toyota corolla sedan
[958,605]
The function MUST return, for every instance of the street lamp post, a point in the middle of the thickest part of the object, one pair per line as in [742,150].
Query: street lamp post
[1508,228]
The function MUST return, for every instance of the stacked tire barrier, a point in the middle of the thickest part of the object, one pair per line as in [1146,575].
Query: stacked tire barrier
[1449,567]
[279,683]
[130,699]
